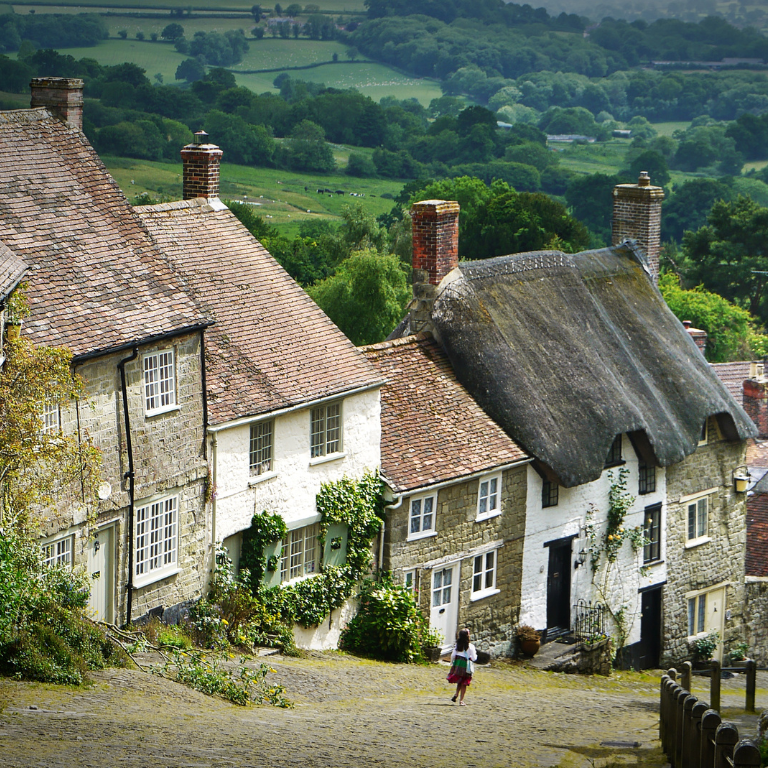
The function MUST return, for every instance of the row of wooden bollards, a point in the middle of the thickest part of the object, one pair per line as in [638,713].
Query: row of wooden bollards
[750,671]
[693,735]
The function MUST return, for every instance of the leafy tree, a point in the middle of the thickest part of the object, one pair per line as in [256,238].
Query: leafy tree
[123,34]
[172,32]
[590,199]
[190,70]
[293,10]
[360,165]
[730,254]
[366,297]
[140,35]
[306,149]
[690,203]
[654,163]
[241,142]
[256,11]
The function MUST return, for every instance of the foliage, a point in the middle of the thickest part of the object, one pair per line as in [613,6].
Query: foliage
[366,297]
[690,204]
[705,646]
[730,329]
[527,632]
[306,150]
[265,529]
[51,30]
[388,626]
[739,651]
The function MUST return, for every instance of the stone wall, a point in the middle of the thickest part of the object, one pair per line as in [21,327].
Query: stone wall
[490,619]
[168,450]
[719,560]
[756,619]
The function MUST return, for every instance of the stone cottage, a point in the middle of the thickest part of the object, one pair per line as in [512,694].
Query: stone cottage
[291,403]
[99,286]
[579,360]
[454,527]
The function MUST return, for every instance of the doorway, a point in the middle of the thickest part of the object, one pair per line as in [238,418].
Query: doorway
[559,588]
[100,566]
[444,612]
[649,649]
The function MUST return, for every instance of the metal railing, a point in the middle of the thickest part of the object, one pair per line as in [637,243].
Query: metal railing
[590,620]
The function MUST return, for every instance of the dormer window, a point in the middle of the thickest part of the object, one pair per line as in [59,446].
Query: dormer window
[614,454]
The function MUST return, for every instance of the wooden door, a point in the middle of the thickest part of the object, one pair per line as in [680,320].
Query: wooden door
[559,587]
[714,617]
[445,602]
[649,649]
[101,572]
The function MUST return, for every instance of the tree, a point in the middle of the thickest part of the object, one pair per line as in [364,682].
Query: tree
[140,35]
[293,10]
[729,254]
[690,204]
[366,297]
[172,32]
[654,163]
[352,53]
[123,34]
[306,149]
[190,70]
[256,12]
[590,199]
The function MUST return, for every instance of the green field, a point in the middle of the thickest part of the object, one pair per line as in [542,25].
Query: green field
[280,196]
[276,52]
[667,129]
[57,6]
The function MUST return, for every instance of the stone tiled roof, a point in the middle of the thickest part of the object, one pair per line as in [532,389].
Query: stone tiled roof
[96,279]
[431,428]
[12,269]
[733,375]
[757,530]
[272,347]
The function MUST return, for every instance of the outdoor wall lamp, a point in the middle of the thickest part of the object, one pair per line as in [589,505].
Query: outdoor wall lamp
[741,478]
[581,559]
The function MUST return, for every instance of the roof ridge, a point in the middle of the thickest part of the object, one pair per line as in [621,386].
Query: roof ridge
[27,115]
[414,338]
[175,205]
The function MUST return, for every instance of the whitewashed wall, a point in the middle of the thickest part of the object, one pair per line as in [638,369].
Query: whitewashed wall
[568,518]
[291,488]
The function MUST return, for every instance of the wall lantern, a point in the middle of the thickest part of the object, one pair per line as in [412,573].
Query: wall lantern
[741,479]
[581,559]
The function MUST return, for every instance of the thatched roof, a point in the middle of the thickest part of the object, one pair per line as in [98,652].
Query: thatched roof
[567,351]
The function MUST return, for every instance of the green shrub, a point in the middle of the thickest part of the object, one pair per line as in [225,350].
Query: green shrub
[388,626]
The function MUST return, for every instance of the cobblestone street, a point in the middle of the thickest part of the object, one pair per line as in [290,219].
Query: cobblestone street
[348,712]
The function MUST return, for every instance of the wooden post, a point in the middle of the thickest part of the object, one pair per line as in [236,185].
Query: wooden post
[663,711]
[746,754]
[699,708]
[672,672]
[726,738]
[687,752]
[672,721]
[751,685]
[680,698]
[685,676]
[714,685]
[710,721]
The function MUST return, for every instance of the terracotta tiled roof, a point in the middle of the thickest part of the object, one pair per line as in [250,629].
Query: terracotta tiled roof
[757,530]
[272,346]
[12,269]
[733,375]
[431,429]
[96,279]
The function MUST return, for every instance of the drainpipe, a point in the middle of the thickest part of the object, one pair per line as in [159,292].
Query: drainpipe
[131,477]
[214,458]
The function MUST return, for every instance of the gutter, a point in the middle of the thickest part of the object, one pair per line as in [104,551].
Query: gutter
[131,477]
[77,359]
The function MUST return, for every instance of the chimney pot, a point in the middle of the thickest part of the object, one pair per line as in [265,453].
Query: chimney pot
[686,324]
[644,180]
[201,137]
[63,96]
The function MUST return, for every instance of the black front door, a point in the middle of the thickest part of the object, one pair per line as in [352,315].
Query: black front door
[559,587]
[650,629]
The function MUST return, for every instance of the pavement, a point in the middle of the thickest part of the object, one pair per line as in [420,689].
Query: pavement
[348,712]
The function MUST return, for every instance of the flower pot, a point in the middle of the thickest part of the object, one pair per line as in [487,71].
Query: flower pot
[432,653]
[530,647]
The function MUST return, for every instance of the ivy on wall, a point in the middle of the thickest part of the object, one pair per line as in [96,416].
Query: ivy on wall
[358,504]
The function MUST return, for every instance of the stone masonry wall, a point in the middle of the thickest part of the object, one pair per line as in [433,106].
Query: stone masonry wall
[490,619]
[717,561]
[168,458]
[756,620]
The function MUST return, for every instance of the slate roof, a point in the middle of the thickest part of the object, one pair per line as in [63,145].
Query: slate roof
[96,279]
[272,347]
[733,375]
[565,351]
[12,270]
[757,530]
[431,428]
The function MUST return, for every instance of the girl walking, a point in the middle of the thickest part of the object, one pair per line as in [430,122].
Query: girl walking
[462,656]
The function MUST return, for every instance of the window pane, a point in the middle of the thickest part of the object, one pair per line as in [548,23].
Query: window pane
[310,549]
[416,516]
[317,435]
[702,611]
[493,502]
[261,448]
[426,523]
[333,428]
[297,552]
[477,582]
[691,616]
[409,581]
[490,559]
[284,560]
[702,517]
[692,521]
[446,595]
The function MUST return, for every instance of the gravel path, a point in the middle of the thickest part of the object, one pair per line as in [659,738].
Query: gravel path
[348,712]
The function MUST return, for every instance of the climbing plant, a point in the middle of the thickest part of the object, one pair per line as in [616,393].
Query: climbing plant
[265,529]
[604,547]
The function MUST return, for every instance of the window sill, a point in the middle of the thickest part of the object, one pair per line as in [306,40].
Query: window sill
[298,579]
[653,563]
[256,479]
[422,535]
[691,543]
[482,595]
[150,578]
[483,518]
[611,464]
[160,411]
[646,493]
[325,459]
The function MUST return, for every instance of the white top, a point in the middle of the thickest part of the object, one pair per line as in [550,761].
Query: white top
[470,653]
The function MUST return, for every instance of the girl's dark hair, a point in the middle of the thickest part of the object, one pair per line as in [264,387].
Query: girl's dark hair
[462,641]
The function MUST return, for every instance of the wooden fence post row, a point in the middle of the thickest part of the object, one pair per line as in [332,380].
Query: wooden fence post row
[693,735]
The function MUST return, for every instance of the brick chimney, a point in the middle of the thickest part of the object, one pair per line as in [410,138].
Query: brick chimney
[699,336]
[637,216]
[61,95]
[435,254]
[201,168]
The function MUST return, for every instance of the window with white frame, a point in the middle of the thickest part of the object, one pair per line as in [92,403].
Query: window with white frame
[50,416]
[422,517]
[484,574]
[58,552]
[159,381]
[698,518]
[652,534]
[409,580]
[489,497]
[301,553]
[697,609]
[325,432]
[157,539]
[261,447]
